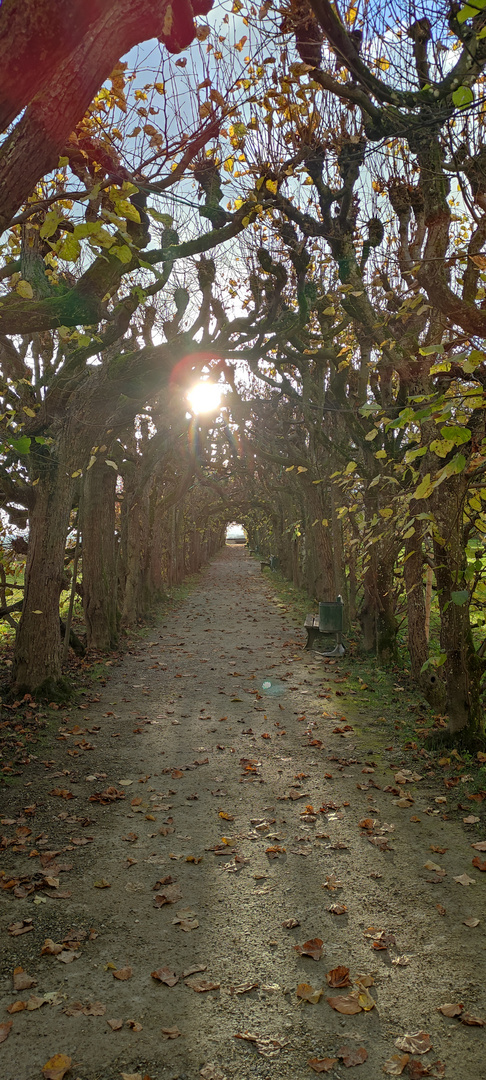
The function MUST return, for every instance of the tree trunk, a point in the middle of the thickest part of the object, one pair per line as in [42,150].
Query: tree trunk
[99,557]
[462,667]
[37,656]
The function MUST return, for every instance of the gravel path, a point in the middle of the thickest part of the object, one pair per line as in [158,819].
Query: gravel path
[233,781]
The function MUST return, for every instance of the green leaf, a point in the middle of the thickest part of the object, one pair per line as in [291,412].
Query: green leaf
[122,252]
[49,225]
[462,97]
[424,489]
[165,219]
[69,249]
[470,10]
[460,597]
[457,435]
[429,350]
[351,466]
[22,445]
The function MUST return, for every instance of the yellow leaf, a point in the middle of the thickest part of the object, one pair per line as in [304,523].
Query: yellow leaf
[75,474]
[28,412]
[92,461]
[24,290]
[301,468]
[56,1067]
[272,186]
[228,166]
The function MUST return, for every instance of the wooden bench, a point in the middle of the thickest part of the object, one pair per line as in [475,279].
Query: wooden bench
[326,628]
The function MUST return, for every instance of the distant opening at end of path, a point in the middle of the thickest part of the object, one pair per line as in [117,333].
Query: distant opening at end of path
[235,534]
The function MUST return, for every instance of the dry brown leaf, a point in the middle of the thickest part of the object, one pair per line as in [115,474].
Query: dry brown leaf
[338,977]
[395,1065]
[5,1030]
[479,864]
[464,879]
[450,1010]
[290,924]
[416,1043]
[170,895]
[51,948]
[471,921]
[472,1021]
[170,1033]
[321,1065]
[165,975]
[337,909]
[347,1004]
[57,1067]
[212,1072]
[266,1046]
[201,985]
[352,1055]
[480,846]
[312,948]
[307,993]
[134,1025]
[16,1006]
[123,974]
[116,1025]
[22,981]
[417,1070]
[193,970]
[332,882]
[23,927]
[244,988]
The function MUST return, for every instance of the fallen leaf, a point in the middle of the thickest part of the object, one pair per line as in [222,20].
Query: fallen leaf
[352,1055]
[464,879]
[170,895]
[337,909]
[321,1065]
[471,820]
[23,927]
[312,948]
[123,974]
[266,1046]
[22,981]
[290,924]
[244,988]
[307,993]
[102,884]
[338,977]
[416,1043]
[56,1067]
[193,970]
[16,1006]
[472,1021]
[480,846]
[5,1030]
[165,975]
[134,1025]
[116,1025]
[471,921]
[332,882]
[365,999]
[478,864]
[417,1070]
[348,1004]
[51,948]
[451,1010]
[395,1065]
[170,1033]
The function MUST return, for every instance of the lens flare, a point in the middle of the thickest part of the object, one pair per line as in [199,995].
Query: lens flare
[205,397]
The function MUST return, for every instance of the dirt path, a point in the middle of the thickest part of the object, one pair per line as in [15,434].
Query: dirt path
[212,730]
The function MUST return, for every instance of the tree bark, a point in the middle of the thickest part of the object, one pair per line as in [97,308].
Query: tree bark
[37,658]
[54,56]
[99,557]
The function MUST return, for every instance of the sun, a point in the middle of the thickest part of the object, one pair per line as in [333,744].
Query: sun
[204,397]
